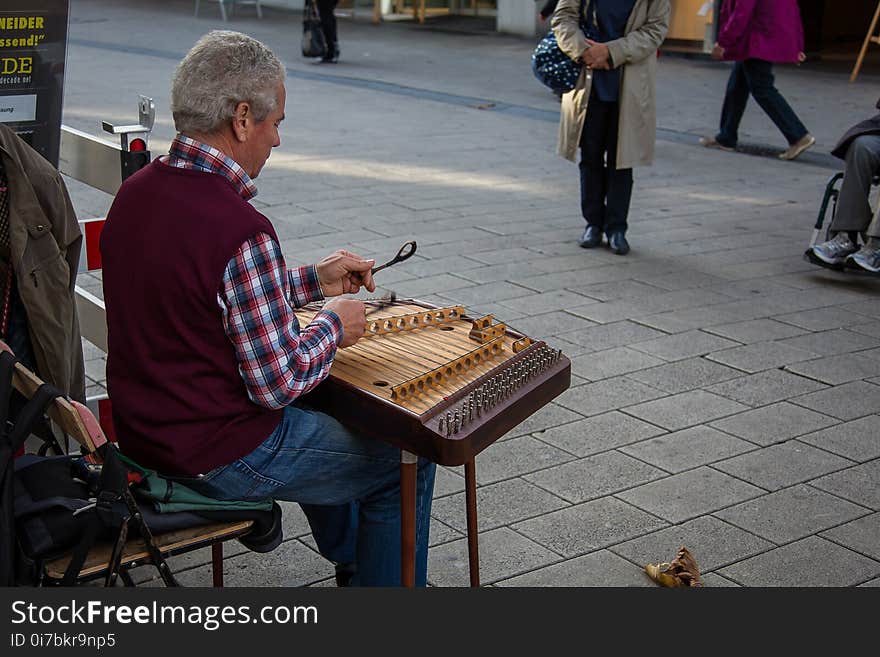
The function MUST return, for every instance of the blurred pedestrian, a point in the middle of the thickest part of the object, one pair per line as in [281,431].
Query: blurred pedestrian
[547,9]
[860,149]
[611,113]
[328,26]
[754,34]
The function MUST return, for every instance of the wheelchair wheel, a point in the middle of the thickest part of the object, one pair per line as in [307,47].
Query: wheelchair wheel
[829,203]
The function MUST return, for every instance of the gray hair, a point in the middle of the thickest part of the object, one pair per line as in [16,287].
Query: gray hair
[223,69]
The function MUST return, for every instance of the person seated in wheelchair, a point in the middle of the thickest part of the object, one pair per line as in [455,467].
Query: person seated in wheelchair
[860,149]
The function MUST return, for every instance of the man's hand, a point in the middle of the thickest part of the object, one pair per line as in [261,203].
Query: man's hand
[344,272]
[353,315]
[717,52]
[596,55]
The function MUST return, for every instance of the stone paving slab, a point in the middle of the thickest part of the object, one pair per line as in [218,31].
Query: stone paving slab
[600,568]
[684,375]
[773,424]
[687,449]
[493,504]
[792,513]
[685,409]
[827,343]
[858,484]
[712,543]
[767,387]
[855,440]
[609,394]
[808,562]
[755,330]
[594,476]
[780,466]
[503,554]
[846,402]
[685,345]
[598,433]
[589,526]
[761,356]
[837,369]
[690,494]
[515,457]
[861,535]
[613,362]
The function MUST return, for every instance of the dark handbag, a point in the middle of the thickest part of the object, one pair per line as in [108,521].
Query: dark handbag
[552,67]
[313,42]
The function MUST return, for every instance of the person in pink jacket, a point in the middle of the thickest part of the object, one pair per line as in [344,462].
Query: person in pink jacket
[755,34]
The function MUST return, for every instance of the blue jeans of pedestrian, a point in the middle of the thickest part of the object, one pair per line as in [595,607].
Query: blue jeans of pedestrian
[755,76]
[348,486]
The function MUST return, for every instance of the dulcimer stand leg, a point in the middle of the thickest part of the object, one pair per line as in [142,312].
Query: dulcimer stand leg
[408,470]
[408,474]
[470,495]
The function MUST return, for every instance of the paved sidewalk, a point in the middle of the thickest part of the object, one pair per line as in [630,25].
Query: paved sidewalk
[725,392]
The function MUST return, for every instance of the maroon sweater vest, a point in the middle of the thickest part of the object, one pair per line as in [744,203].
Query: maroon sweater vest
[180,405]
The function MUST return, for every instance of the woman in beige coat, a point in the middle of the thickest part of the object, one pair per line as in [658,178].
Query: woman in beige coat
[611,112]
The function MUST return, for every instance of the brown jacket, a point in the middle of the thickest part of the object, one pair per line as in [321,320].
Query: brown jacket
[636,52]
[45,241]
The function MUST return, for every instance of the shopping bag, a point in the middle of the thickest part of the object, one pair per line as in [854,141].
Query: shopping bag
[313,42]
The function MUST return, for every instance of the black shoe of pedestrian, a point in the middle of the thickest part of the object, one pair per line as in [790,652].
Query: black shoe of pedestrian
[618,244]
[591,238]
[332,56]
[344,573]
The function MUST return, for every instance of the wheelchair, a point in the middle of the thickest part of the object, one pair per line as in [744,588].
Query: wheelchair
[829,201]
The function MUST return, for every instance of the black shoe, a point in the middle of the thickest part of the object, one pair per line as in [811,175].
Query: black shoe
[332,56]
[344,573]
[618,244]
[592,237]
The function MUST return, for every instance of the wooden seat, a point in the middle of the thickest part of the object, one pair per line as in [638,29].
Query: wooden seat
[78,422]
[135,551]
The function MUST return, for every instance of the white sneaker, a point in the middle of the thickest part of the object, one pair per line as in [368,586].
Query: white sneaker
[798,147]
[834,251]
[867,258]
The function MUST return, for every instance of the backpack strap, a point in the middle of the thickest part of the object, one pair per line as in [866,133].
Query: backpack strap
[115,507]
[7,367]
[32,413]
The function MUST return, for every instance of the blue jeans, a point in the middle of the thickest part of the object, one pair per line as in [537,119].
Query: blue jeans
[348,486]
[756,76]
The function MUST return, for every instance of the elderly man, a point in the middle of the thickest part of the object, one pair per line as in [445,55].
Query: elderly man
[860,148]
[207,363]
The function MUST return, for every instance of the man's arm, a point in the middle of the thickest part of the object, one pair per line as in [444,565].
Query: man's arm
[277,362]
[304,285]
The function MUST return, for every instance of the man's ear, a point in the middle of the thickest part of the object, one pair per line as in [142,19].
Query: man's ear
[241,121]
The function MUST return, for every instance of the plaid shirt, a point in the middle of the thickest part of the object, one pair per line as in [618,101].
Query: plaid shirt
[277,361]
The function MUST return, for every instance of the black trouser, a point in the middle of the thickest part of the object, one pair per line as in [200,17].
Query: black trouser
[605,190]
[328,22]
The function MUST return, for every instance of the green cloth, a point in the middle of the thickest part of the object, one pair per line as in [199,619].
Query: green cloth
[168,496]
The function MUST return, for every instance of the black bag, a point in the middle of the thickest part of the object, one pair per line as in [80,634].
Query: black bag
[313,42]
[552,67]
[52,505]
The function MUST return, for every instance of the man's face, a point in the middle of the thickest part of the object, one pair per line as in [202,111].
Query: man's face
[262,137]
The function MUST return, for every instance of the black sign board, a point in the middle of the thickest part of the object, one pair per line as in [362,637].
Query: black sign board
[33,47]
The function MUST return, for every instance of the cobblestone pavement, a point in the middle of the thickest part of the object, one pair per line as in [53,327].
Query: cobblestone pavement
[724,391]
